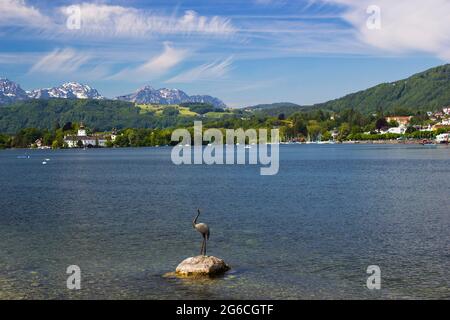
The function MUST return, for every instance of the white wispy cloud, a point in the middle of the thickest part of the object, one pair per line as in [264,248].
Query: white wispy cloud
[18,13]
[406,25]
[66,60]
[102,20]
[155,66]
[169,58]
[209,71]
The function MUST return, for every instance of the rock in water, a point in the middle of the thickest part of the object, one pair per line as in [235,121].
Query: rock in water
[202,266]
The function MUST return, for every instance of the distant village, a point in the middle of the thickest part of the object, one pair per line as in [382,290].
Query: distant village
[440,120]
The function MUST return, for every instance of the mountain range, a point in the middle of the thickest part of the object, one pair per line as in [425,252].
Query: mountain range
[69,90]
[149,95]
[11,92]
[425,91]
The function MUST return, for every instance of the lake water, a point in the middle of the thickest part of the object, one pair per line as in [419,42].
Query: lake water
[124,216]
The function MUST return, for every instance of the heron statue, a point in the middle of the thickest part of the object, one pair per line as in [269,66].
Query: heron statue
[204,230]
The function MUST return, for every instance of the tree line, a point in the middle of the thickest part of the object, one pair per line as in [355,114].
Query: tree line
[313,125]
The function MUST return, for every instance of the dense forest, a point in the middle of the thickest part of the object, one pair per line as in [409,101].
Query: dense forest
[426,91]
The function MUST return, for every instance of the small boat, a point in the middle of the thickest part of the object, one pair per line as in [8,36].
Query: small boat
[428,143]
[247,147]
[44,162]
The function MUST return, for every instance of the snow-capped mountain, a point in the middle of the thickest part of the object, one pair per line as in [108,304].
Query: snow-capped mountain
[69,90]
[11,92]
[161,96]
[147,95]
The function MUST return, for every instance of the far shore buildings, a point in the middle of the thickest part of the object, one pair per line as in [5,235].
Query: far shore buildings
[83,140]
[441,119]
[401,120]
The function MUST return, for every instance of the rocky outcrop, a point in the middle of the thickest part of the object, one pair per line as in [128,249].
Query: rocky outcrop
[202,266]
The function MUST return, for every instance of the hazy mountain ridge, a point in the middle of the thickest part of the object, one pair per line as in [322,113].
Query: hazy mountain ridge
[275,109]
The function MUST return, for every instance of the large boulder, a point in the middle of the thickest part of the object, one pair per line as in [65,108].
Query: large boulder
[202,266]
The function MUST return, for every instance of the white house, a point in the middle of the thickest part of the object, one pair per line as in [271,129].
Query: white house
[82,139]
[398,130]
[443,138]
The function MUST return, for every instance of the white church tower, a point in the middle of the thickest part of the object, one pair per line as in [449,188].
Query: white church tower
[82,130]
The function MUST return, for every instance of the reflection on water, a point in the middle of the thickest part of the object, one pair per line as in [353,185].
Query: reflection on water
[124,216]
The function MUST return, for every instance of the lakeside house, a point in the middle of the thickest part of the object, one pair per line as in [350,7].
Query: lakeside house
[443,138]
[82,139]
[397,130]
[401,120]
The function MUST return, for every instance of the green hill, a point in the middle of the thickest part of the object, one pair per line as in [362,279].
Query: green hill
[102,115]
[425,91]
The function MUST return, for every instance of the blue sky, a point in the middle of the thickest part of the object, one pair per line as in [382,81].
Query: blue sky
[244,52]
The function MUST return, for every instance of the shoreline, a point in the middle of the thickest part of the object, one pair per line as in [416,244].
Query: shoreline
[387,142]
[361,142]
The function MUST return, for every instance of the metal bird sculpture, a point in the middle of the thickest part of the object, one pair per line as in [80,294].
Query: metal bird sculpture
[204,230]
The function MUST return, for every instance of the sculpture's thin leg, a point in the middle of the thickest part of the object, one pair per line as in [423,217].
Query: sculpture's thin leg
[205,246]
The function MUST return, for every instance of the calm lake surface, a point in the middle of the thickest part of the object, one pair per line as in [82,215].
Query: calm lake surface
[124,216]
